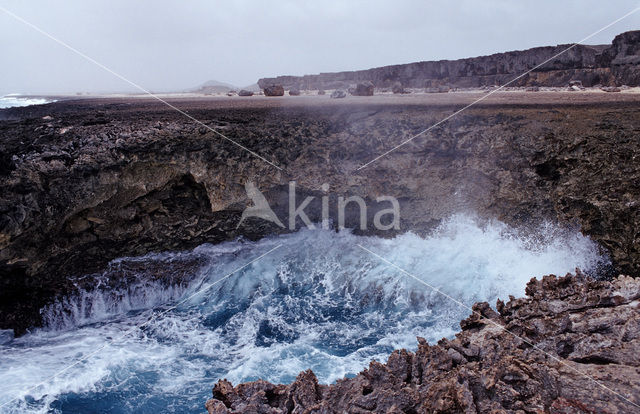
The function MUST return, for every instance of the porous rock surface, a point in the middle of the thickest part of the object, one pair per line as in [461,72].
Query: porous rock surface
[570,346]
[85,182]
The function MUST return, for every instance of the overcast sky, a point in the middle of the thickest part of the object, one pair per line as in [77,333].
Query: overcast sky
[174,45]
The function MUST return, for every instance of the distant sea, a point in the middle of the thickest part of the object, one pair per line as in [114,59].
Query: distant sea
[11,100]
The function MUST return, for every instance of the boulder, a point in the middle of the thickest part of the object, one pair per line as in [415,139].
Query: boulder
[294,92]
[398,89]
[245,92]
[274,90]
[362,89]
[321,92]
[338,93]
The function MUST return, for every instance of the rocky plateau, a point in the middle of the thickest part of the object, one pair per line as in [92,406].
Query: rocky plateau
[607,65]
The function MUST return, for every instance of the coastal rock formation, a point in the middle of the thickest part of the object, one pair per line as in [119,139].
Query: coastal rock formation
[362,89]
[85,182]
[609,65]
[568,347]
[273,90]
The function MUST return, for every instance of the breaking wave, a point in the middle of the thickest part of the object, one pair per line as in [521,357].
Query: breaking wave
[13,100]
[318,301]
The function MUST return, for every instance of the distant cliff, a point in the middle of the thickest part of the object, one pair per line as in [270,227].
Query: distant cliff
[609,65]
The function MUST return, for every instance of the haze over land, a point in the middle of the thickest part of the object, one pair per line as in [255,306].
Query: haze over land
[164,48]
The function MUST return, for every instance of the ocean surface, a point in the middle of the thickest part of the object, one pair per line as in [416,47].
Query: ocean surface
[11,100]
[317,301]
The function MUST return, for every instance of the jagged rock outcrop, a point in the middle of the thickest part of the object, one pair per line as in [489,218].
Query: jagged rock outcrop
[568,347]
[85,182]
[614,65]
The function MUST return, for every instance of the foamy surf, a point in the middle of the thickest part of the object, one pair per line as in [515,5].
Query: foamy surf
[317,302]
[14,100]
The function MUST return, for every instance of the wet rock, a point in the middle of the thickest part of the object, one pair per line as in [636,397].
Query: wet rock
[155,181]
[517,369]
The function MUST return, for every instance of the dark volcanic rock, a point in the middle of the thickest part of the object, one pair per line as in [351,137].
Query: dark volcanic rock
[274,90]
[569,347]
[617,64]
[90,181]
[245,92]
[362,89]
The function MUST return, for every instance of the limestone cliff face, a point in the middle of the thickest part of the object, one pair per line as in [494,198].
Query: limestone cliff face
[569,347]
[85,182]
[616,64]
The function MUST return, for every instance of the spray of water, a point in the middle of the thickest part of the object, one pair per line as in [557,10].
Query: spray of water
[318,302]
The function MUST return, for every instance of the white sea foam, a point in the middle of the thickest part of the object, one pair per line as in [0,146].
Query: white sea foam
[317,302]
[13,100]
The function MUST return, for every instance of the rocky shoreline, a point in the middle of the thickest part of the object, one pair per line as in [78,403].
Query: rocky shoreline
[85,182]
[570,346]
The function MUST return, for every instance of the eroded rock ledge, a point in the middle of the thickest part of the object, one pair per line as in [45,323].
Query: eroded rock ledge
[586,335]
[84,182]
